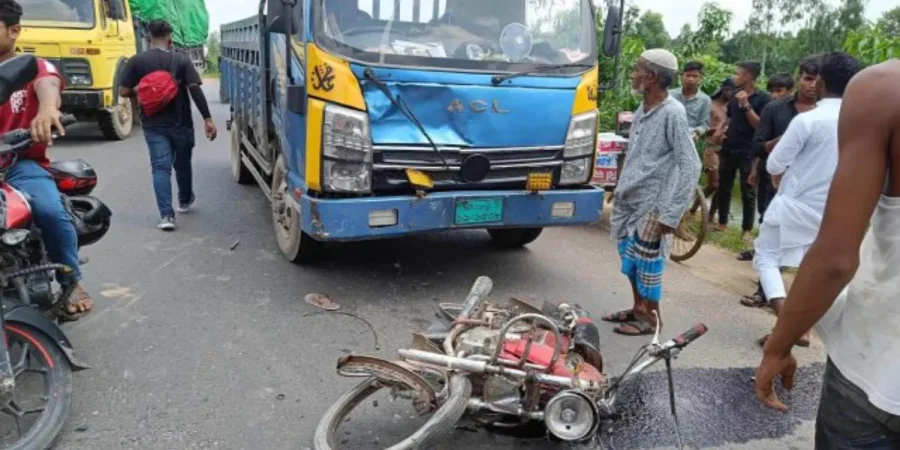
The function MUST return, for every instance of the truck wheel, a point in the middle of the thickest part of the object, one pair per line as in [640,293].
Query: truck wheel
[514,237]
[296,246]
[117,122]
[239,172]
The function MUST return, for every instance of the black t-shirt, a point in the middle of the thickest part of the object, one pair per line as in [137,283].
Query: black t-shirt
[177,113]
[773,122]
[739,138]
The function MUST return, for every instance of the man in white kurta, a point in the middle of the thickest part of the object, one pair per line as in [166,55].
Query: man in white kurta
[803,163]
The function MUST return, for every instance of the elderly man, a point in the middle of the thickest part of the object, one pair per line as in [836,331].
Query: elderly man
[658,179]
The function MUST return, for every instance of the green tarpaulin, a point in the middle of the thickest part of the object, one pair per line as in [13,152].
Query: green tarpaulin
[189,18]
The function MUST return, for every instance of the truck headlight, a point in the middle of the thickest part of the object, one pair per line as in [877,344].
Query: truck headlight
[79,80]
[581,142]
[346,150]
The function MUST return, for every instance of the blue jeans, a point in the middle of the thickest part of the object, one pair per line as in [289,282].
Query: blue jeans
[847,420]
[171,148]
[49,214]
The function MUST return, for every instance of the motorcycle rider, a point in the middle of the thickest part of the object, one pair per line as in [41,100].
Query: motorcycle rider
[37,107]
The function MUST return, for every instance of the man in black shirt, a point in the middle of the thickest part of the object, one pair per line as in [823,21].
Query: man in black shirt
[170,133]
[737,150]
[774,121]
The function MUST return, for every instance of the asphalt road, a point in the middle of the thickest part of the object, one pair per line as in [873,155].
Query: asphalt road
[201,338]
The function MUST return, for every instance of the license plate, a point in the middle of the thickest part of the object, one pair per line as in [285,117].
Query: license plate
[478,210]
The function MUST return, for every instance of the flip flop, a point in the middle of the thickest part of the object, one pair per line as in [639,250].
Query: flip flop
[644,328]
[754,301]
[624,316]
[746,256]
[78,295]
[322,301]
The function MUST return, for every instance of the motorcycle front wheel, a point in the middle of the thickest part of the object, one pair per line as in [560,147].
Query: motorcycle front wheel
[26,424]
[440,424]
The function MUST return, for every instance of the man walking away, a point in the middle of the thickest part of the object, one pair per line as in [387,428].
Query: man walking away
[717,117]
[774,122]
[696,104]
[860,402]
[806,157]
[168,126]
[737,150]
[656,188]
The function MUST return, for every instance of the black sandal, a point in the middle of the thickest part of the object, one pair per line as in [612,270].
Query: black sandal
[644,328]
[754,301]
[624,316]
[746,256]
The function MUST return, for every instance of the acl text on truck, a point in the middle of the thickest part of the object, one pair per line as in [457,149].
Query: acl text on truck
[381,119]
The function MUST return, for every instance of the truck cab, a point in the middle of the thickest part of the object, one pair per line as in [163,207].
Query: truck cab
[89,41]
[367,119]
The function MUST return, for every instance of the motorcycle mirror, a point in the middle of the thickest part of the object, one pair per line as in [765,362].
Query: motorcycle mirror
[15,74]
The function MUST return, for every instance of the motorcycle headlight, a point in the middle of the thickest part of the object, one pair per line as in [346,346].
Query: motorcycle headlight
[13,238]
[581,142]
[346,150]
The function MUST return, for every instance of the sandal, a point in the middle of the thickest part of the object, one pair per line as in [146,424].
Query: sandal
[624,316]
[746,256]
[754,301]
[78,297]
[643,327]
[802,342]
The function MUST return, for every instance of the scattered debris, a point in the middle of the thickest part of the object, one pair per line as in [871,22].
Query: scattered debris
[469,428]
[81,429]
[322,301]
[235,245]
[279,397]
[374,403]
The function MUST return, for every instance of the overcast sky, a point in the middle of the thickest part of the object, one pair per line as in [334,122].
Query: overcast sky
[675,13]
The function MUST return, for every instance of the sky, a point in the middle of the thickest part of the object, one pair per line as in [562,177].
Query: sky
[675,13]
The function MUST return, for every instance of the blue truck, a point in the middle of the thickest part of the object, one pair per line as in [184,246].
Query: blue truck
[366,119]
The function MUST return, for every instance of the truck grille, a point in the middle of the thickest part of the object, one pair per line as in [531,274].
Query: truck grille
[509,165]
[69,67]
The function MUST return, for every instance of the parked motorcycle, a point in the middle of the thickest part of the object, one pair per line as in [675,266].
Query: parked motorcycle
[506,366]
[34,344]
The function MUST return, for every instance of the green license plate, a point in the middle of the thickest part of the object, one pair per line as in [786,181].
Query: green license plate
[472,211]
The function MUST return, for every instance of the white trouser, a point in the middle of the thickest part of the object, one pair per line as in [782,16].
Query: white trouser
[770,258]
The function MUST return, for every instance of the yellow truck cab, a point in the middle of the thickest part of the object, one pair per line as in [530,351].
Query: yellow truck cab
[89,41]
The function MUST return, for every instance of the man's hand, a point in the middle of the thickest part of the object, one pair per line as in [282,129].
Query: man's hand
[771,367]
[42,125]
[742,98]
[211,131]
[776,180]
[664,229]
[751,180]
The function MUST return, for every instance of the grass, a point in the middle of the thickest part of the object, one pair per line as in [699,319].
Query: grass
[731,239]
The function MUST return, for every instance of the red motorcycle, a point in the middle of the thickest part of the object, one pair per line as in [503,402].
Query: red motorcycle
[504,366]
[34,344]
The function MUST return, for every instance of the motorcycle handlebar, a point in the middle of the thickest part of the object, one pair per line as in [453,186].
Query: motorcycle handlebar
[481,289]
[20,139]
[684,339]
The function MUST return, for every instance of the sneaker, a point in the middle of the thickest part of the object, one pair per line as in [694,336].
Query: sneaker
[167,224]
[185,207]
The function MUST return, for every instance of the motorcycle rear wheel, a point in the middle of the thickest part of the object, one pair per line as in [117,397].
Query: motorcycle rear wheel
[440,424]
[57,389]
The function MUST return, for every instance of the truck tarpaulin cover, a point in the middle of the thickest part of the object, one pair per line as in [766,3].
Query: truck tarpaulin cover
[189,18]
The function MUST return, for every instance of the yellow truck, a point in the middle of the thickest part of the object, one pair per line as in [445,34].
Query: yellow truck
[91,40]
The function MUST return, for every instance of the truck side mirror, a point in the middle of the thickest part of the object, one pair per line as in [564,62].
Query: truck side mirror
[277,16]
[15,74]
[612,32]
[116,10]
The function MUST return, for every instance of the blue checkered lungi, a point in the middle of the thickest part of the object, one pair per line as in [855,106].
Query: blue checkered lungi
[643,260]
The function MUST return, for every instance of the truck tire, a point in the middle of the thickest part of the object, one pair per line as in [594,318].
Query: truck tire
[295,245]
[239,172]
[117,122]
[514,237]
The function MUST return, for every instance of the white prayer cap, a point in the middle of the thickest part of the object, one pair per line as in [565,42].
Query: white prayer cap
[662,58]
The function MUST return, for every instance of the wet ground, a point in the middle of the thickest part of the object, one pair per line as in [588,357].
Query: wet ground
[201,338]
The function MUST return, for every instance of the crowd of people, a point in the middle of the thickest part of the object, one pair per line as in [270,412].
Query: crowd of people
[815,167]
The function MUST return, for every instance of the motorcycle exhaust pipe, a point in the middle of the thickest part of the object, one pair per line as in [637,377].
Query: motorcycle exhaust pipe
[476,405]
[473,366]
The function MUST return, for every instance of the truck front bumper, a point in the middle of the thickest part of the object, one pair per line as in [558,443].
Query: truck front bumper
[370,218]
[74,100]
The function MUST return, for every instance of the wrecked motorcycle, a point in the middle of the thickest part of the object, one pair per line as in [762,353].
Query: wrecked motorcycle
[506,366]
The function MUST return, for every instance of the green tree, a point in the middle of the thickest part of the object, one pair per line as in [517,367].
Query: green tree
[890,22]
[872,45]
[652,31]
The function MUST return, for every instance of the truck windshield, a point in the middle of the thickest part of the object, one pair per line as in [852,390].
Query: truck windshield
[478,35]
[58,13]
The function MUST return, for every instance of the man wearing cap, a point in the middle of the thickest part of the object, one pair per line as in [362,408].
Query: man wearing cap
[654,191]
